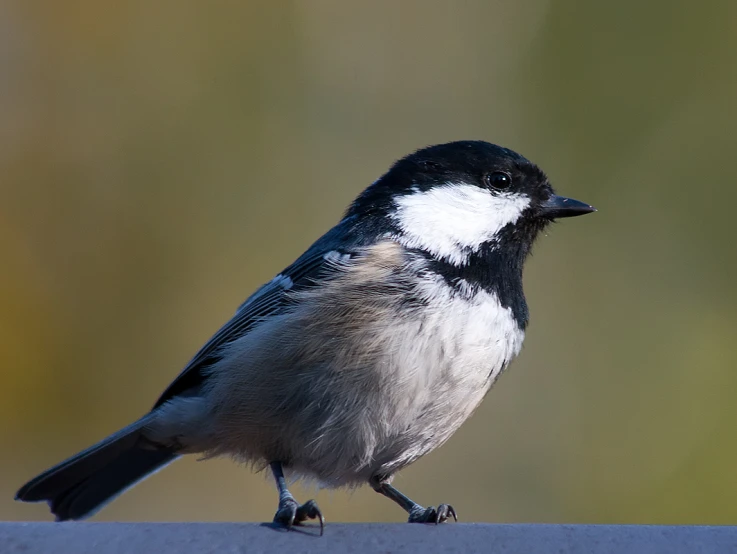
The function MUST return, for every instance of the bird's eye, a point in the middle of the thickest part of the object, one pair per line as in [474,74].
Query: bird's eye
[498,180]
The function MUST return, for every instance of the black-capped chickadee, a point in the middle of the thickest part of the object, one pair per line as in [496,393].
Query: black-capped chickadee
[365,354]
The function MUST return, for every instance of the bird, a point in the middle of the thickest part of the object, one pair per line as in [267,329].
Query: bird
[366,353]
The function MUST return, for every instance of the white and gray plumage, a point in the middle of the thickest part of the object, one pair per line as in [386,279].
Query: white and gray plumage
[366,353]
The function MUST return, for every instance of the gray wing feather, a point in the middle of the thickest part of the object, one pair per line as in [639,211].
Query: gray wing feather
[269,299]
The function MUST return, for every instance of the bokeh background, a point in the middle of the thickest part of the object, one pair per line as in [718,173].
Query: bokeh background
[160,160]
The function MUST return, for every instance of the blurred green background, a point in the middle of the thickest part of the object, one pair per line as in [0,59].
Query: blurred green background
[160,160]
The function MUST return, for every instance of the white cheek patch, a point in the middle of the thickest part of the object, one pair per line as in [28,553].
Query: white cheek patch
[454,220]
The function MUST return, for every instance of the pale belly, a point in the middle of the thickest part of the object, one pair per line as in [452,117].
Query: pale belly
[345,391]
[434,374]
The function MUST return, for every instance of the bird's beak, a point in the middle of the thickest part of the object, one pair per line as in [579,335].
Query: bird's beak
[559,206]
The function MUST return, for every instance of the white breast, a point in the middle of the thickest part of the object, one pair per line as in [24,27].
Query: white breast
[446,361]
[471,336]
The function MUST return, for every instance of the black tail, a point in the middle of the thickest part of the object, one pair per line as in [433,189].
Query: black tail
[78,487]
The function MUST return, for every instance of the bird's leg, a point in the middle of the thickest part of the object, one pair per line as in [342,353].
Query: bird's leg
[289,512]
[417,514]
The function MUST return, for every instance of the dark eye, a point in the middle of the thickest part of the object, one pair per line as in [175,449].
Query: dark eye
[498,180]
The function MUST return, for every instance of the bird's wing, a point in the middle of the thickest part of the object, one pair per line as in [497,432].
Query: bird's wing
[270,299]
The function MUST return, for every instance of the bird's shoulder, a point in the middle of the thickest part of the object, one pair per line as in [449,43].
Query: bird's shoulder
[325,260]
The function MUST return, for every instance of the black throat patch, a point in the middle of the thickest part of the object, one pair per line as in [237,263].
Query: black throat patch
[496,267]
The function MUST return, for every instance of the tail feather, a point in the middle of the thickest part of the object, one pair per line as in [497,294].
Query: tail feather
[78,487]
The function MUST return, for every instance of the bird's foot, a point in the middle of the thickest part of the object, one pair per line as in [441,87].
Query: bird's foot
[431,514]
[291,513]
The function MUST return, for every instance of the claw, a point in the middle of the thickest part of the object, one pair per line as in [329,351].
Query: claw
[310,510]
[286,513]
[290,513]
[432,515]
[443,511]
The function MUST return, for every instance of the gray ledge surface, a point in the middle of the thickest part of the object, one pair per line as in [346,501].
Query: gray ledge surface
[175,538]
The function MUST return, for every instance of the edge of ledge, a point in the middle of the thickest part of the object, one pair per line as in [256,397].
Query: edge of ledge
[175,538]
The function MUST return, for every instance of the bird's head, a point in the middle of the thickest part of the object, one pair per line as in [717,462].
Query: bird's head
[463,199]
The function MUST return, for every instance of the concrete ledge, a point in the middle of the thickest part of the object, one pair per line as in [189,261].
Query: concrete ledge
[175,538]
